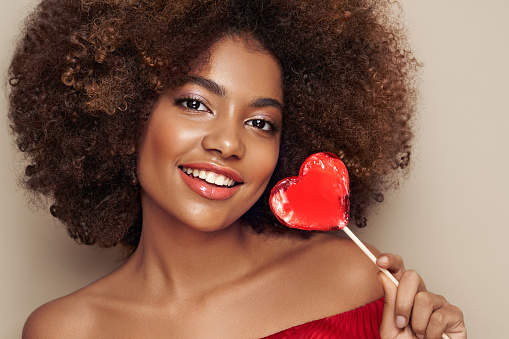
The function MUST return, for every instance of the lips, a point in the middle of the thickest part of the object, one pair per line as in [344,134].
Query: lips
[209,176]
[211,181]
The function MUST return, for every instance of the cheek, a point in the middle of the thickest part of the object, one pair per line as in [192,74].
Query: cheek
[165,139]
[268,158]
[155,151]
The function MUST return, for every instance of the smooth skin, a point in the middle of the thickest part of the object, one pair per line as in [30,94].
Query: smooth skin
[198,271]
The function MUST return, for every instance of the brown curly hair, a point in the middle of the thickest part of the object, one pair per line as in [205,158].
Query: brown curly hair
[86,74]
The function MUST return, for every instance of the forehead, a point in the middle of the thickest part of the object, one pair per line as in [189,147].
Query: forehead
[241,64]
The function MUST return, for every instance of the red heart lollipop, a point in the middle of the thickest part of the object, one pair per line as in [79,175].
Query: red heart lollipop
[317,199]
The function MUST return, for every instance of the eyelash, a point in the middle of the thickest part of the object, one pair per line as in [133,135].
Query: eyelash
[181,100]
[272,128]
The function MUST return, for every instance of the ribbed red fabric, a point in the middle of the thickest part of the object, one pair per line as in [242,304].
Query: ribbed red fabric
[362,323]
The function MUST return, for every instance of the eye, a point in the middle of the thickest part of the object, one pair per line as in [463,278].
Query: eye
[192,104]
[262,124]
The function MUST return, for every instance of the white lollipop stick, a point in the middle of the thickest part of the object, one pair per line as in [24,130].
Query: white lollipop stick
[369,254]
[373,259]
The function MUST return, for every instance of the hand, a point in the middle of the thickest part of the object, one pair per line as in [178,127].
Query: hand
[410,311]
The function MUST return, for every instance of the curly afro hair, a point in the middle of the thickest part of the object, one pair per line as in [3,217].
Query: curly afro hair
[87,73]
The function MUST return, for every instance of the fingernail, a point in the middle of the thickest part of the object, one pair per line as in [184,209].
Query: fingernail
[400,321]
[383,260]
[420,336]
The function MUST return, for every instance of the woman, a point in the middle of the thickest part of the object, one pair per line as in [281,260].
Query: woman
[162,126]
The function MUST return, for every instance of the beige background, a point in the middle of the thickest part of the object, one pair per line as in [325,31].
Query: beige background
[449,220]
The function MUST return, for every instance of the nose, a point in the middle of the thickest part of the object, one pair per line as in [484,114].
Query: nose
[225,137]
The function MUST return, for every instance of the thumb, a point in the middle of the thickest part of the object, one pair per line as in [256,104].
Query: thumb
[388,322]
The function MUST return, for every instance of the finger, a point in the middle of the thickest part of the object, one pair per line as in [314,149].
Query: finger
[425,303]
[393,263]
[447,319]
[390,290]
[409,285]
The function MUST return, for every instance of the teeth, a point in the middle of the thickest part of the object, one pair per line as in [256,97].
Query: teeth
[219,180]
[202,175]
[210,177]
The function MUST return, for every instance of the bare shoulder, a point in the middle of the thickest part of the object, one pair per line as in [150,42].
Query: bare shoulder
[348,270]
[87,313]
[77,315]
[66,317]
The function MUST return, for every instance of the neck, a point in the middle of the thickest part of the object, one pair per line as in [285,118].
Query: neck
[185,261]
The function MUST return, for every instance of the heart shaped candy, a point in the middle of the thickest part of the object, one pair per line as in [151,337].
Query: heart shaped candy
[317,199]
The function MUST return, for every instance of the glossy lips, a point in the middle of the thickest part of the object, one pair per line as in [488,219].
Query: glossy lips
[211,181]
[318,199]
[210,177]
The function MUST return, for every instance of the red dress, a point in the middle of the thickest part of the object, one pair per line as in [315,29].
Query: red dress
[362,323]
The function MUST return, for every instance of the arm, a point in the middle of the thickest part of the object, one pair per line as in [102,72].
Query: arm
[430,314]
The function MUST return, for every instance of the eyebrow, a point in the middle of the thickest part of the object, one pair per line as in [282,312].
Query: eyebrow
[220,91]
[267,102]
[209,85]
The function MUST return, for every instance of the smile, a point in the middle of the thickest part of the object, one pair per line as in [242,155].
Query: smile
[210,177]
[211,182]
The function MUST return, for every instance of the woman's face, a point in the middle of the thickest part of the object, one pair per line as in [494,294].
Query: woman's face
[211,144]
